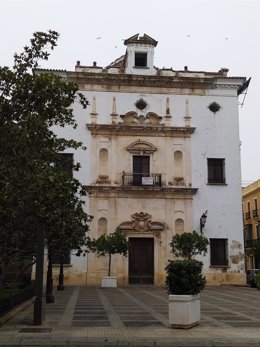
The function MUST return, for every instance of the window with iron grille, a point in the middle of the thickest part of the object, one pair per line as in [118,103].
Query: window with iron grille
[216,171]
[248,232]
[219,252]
[255,211]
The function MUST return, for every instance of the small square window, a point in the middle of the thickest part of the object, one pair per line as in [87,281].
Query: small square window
[218,252]
[216,171]
[141,59]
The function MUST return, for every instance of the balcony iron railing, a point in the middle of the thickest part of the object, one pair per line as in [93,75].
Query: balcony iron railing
[255,213]
[250,243]
[248,215]
[141,179]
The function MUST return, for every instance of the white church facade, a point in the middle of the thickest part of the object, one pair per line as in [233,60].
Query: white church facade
[163,148]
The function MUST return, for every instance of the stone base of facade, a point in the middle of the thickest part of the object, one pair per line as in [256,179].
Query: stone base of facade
[71,278]
[84,278]
[231,278]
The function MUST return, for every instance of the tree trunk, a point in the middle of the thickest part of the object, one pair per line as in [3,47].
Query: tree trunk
[2,274]
[109,264]
[61,275]
[38,312]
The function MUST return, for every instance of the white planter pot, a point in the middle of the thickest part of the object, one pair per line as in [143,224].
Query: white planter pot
[109,282]
[184,311]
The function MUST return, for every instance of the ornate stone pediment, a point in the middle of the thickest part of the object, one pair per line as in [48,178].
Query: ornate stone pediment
[129,117]
[142,223]
[153,118]
[141,147]
[132,117]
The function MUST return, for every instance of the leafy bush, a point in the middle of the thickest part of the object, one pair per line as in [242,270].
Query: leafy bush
[187,245]
[184,277]
[257,280]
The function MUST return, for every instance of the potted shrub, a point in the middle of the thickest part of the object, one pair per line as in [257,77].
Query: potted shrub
[185,279]
[107,245]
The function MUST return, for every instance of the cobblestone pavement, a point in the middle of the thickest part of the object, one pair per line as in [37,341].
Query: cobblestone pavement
[137,316]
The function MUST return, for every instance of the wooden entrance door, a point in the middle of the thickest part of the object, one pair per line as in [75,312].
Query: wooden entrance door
[141,261]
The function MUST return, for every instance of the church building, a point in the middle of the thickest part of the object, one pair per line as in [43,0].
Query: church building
[163,157]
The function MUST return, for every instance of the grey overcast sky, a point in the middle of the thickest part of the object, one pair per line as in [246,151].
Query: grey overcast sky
[203,35]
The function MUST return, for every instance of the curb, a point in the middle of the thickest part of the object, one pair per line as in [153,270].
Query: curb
[101,342]
[13,312]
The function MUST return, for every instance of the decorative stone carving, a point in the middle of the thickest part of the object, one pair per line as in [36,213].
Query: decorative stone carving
[132,118]
[142,223]
[141,104]
[214,107]
[114,114]
[167,113]
[93,112]
[187,116]
[103,179]
[141,147]
[153,118]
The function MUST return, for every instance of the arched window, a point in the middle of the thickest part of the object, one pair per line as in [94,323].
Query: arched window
[103,162]
[102,226]
[179,226]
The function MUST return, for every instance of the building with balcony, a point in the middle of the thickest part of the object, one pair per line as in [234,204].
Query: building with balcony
[162,149]
[251,219]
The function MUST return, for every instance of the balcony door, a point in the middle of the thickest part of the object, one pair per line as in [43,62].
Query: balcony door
[141,168]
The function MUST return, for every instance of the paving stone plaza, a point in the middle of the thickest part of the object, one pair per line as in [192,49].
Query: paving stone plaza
[137,316]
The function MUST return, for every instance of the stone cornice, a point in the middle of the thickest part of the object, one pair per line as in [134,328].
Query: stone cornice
[119,80]
[151,130]
[137,191]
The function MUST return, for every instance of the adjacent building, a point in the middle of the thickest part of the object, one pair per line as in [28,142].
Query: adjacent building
[251,200]
[163,150]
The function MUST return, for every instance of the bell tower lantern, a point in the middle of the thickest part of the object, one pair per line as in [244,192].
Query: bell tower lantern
[140,55]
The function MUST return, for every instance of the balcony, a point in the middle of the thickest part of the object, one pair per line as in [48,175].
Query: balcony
[251,243]
[141,179]
[255,213]
[248,215]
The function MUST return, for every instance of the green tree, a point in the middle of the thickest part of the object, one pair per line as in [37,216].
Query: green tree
[33,185]
[108,244]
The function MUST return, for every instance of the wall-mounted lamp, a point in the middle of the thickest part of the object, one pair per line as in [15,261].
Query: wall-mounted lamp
[203,220]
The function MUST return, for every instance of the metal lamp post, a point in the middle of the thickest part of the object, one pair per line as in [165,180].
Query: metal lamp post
[203,220]
[38,313]
[49,284]
[61,275]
